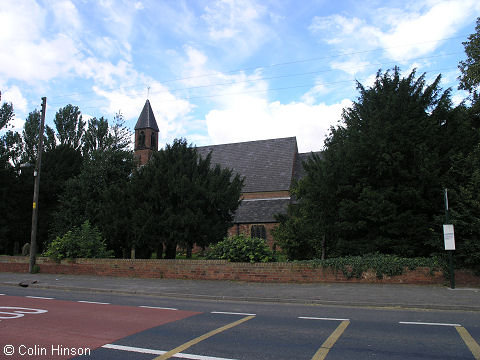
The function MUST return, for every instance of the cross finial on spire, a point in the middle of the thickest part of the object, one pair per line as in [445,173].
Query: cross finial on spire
[148,92]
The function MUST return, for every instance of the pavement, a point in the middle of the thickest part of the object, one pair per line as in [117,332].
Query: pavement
[338,294]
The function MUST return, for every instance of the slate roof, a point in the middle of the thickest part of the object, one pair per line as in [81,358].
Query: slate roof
[299,171]
[267,165]
[146,118]
[260,210]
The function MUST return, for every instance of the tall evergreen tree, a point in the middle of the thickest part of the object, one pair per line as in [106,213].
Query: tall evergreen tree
[181,200]
[378,184]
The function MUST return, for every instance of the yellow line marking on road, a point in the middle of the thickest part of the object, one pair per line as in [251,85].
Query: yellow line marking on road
[332,339]
[471,343]
[180,348]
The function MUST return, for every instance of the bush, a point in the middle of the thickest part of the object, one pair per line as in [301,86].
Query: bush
[241,248]
[389,265]
[84,241]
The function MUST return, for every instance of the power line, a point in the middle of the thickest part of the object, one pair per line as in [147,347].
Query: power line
[359,67]
[260,67]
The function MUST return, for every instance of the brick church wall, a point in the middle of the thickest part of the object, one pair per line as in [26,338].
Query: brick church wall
[246,228]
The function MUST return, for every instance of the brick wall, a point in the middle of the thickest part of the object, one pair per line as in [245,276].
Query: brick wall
[266,194]
[222,270]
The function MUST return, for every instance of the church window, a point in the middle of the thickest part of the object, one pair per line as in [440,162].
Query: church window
[152,141]
[258,231]
[141,139]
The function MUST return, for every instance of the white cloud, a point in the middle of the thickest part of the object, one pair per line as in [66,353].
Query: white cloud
[67,17]
[412,35]
[239,23]
[14,95]
[403,33]
[32,56]
[250,118]
[228,18]
[170,112]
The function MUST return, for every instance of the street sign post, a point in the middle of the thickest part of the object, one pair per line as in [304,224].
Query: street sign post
[449,241]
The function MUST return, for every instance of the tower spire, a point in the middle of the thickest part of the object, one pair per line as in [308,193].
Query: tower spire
[146,134]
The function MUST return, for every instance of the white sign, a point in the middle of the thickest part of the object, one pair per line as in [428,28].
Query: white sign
[449,237]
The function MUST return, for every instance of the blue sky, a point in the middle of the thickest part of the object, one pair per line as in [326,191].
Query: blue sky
[225,70]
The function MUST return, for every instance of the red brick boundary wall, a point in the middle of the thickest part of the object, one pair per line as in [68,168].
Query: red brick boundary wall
[223,270]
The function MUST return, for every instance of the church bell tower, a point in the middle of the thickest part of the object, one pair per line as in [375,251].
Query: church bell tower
[146,135]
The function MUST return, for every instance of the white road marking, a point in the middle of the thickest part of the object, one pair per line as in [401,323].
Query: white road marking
[156,307]
[425,323]
[2,294]
[13,312]
[39,297]
[232,313]
[160,352]
[318,318]
[93,302]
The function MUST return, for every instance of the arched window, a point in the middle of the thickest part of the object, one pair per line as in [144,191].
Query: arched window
[258,231]
[152,141]
[141,139]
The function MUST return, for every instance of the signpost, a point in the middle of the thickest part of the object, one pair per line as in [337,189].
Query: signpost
[449,240]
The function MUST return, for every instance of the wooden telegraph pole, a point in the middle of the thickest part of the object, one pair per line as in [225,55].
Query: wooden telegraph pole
[36,189]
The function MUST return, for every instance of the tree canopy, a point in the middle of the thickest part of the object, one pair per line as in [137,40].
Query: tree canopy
[470,68]
[377,186]
[181,199]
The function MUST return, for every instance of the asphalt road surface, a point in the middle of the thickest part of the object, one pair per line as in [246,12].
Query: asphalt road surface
[56,324]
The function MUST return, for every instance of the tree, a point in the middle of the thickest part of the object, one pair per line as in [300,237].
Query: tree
[464,203]
[470,68]
[101,136]
[31,128]
[96,137]
[7,179]
[84,196]
[377,186]
[180,199]
[70,126]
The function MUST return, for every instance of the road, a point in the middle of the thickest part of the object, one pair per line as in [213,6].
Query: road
[50,323]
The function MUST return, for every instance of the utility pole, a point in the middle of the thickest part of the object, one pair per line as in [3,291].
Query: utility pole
[36,189]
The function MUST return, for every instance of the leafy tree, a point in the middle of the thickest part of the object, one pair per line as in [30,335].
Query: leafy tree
[83,197]
[70,126]
[83,241]
[470,68]
[7,179]
[181,200]
[377,186]
[31,128]
[119,133]
[96,137]
[58,166]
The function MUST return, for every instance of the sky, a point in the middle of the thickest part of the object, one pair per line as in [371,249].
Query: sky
[221,71]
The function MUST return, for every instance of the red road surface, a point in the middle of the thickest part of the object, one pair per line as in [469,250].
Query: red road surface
[71,325]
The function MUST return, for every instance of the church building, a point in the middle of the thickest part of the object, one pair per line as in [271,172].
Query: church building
[268,166]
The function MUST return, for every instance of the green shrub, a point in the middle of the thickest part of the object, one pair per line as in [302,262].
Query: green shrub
[241,248]
[389,265]
[84,241]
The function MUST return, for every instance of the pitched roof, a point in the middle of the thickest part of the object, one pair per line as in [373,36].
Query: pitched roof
[267,165]
[260,210]
[146,118]
[299,171]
